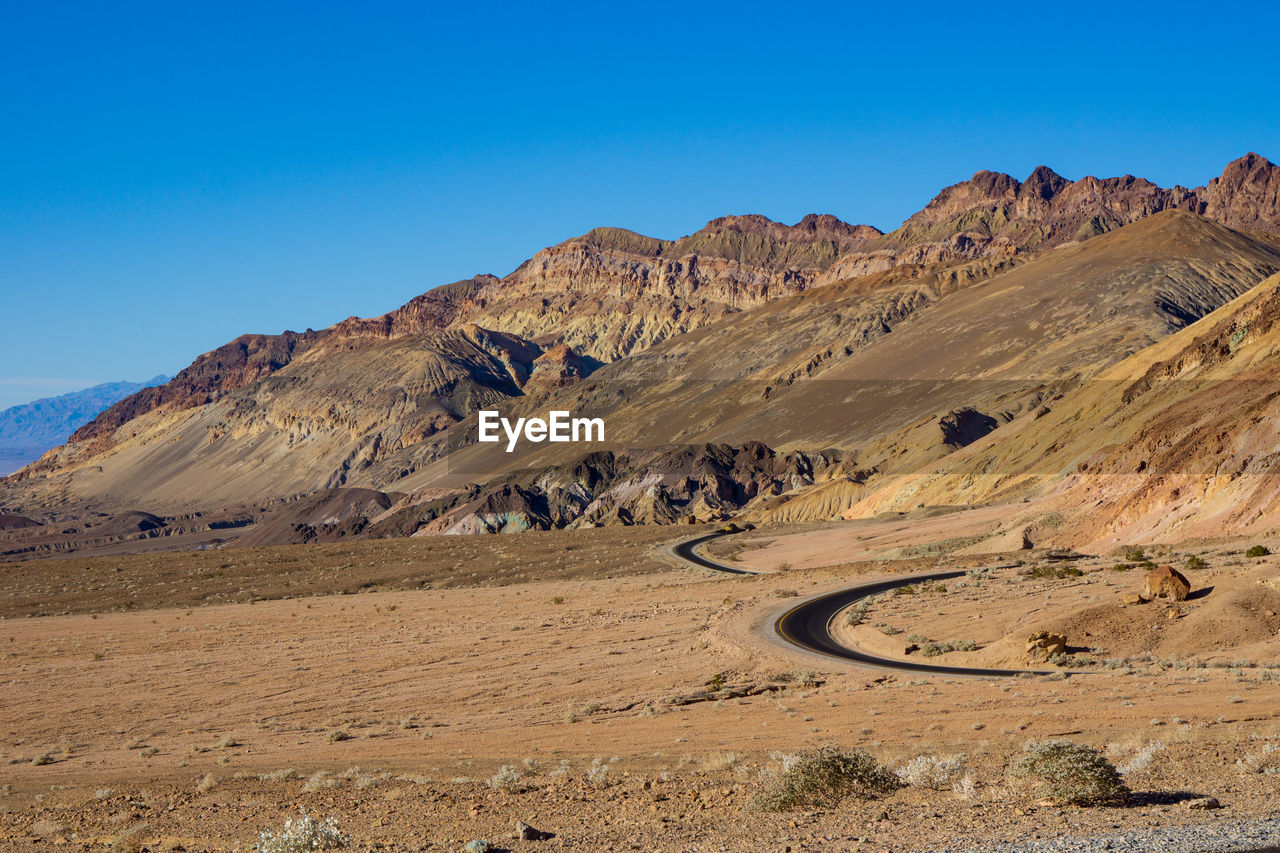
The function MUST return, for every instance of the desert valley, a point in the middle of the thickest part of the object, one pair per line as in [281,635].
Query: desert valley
[1022,449]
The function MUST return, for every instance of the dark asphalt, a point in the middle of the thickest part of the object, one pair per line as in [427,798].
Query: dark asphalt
[684,550]
[808,624]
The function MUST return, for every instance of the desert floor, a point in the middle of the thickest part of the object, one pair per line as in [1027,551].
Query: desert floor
[189,701]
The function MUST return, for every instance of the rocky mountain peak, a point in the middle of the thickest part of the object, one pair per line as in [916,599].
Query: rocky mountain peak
[983,189]
[814,226]
[1043,183]
[1247,195]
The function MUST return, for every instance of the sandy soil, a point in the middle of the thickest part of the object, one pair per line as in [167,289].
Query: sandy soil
[158,721]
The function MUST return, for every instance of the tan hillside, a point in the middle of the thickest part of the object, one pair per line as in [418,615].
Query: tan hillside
[1175,442]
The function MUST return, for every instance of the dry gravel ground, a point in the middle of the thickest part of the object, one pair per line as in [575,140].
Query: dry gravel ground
[169,725]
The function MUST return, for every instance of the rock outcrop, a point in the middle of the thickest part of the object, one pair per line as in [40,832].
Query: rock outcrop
[1165,582]
[1246,195]
[1043,646]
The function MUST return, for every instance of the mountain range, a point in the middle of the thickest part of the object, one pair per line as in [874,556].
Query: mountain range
[1014,341]
[29,429]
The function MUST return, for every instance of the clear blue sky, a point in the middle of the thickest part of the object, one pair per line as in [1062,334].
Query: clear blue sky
[175,174]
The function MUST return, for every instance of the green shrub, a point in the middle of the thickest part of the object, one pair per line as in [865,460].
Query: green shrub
[1054,572]
[1134,554]
[1071,774]
[1258,551]
[824,778]
[1194,562]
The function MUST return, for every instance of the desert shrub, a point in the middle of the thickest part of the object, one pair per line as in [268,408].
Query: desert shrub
[1071,773]
[303,833]
[207,784]
[43,759]
[598,773]
[1194,562]
[1121,567]
[131,840]
[1045,572]
[932,650]
[904,590]
[1141,759]
[1258,551]
[928,771]
[825,777]
[807,678]
[282,775]
[858,613]
[337,736]
[320,781]
[1134,554]
[1266,760]
[508,778]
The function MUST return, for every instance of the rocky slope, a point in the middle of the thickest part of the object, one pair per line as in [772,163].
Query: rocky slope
[612,292]
[745,331]
[668,485]
[903,367]
[1178,441]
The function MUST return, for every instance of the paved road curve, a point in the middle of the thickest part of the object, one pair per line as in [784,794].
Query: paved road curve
[685,551]
[808,624]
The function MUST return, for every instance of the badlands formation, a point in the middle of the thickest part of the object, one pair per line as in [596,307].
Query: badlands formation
[271,582]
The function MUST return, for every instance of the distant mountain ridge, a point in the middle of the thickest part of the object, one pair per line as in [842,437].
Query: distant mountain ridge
[29,429]
[612,292]
[985,307]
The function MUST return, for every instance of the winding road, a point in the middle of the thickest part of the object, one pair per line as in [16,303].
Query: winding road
[808,624]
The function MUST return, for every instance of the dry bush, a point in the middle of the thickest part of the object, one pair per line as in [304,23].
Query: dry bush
[1071,773]
[509,779]
[929,771]
[1266,760]
[824,778]
[131,840]
[302,834]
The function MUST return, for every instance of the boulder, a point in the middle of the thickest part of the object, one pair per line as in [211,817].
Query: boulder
[1166,581]
[1042,645]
